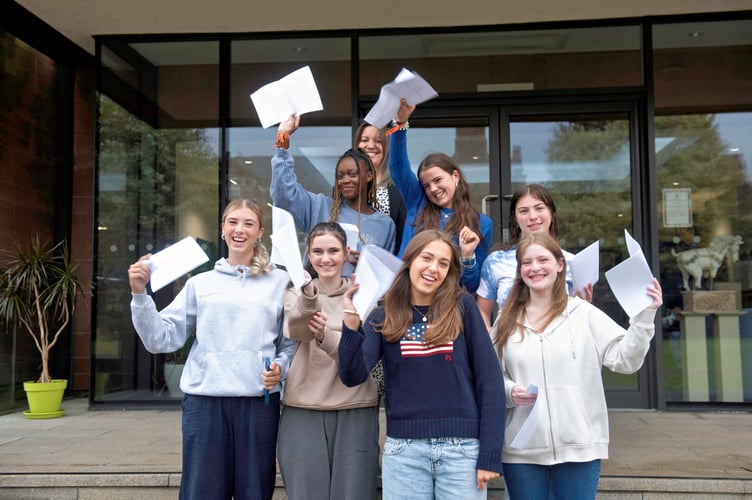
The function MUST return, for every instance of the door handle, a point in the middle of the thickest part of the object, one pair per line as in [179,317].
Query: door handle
[485,201]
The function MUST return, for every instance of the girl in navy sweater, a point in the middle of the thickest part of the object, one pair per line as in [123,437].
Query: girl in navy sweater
[444,400]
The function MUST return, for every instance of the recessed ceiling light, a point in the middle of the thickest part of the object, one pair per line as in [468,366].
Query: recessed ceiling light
[696,34]
[248,162]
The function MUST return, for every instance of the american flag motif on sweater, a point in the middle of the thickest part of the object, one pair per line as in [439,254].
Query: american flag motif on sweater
[412,346]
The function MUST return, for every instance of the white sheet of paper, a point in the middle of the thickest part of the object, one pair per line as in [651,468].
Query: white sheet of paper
[174,261]
[531,422]
[408,85]
[295,93]
[285,249]
[629,281]
[353,235]
[633,247]
[375,271]
[584,266]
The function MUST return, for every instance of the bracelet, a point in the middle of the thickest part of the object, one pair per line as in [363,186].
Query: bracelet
[283,141]
[469,263]
[350,311]
[397,126]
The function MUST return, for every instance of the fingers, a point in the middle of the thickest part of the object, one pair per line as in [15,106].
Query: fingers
[484,476]
[271,377]
[404,111]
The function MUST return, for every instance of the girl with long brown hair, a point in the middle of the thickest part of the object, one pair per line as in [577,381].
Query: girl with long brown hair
[439,198]
[444,418]
[553,348]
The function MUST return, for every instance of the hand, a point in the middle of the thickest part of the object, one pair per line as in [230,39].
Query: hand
[270,378]
[309,289]
[521,397]
[290,125]
[353,256]
[404,111]
[484,476]
[656,293]
[352,321]
[468,242]
[586,293]
[317,325]
[139,274]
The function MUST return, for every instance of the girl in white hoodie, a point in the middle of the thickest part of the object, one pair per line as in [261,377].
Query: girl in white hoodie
[552,348]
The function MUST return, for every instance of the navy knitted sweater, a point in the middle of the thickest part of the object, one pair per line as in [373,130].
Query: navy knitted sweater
[451,390]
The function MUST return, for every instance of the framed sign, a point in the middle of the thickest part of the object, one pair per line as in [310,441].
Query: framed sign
[677,207]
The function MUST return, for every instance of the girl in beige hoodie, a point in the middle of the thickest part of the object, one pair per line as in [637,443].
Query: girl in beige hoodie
[328,432]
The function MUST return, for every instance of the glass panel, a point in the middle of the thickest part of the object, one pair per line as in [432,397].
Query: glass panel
[703,142]
[585,162]
[28,139]
[506,60]
[158,183]
[258,62]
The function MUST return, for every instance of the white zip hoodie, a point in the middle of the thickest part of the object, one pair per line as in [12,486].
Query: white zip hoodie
[238,321]
[565,363]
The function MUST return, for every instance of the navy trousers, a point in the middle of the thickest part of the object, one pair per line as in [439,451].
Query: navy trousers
[229,447]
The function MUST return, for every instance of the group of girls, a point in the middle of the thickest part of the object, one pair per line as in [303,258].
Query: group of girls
[453,402]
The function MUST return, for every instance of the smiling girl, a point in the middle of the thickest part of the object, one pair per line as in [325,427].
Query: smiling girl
[228,424]
[439,198]
[444,419]
[559,344]
[328,433]
[352,200]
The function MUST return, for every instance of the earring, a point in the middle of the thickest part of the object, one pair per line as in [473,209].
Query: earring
[456,184]
[222,236]
[257,242]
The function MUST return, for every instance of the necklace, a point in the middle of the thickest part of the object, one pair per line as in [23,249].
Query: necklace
[424,316]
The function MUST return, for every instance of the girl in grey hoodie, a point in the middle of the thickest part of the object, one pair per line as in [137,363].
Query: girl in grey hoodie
[231,402]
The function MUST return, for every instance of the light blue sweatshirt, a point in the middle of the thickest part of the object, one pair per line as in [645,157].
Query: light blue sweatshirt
[237,319]
[308,209]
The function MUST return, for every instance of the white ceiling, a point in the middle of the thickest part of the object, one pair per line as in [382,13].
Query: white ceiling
[80,20]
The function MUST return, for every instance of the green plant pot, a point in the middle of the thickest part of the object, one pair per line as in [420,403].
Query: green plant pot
[45,399]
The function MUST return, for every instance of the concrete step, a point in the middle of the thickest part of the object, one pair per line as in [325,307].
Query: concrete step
[164,486]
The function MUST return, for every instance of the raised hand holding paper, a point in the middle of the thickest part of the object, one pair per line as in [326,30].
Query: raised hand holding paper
[174,261]
[375,271]
[285,249]
[630,279]
[409,86]
[296,93]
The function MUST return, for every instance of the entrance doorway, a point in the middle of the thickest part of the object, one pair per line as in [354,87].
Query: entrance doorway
[586,153]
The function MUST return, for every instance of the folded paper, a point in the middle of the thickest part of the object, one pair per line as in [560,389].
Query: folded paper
[375,272]
[296,93]
[285,248]
[409,86]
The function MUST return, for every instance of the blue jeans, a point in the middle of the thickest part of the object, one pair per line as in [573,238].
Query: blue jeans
[437,468]
[567,481]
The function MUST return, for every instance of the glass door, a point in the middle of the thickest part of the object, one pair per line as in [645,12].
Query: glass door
[586,156]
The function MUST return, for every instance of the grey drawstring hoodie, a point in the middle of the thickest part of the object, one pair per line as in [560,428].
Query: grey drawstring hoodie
[237,319]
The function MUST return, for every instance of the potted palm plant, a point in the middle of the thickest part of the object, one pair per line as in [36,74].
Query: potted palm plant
[38,289]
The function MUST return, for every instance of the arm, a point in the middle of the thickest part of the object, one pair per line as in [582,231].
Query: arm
[299,309]
[485,307]
[624,351]
[356,356]
[287,193]
[168,330]
[471,270]
[404,179]
[489,390]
